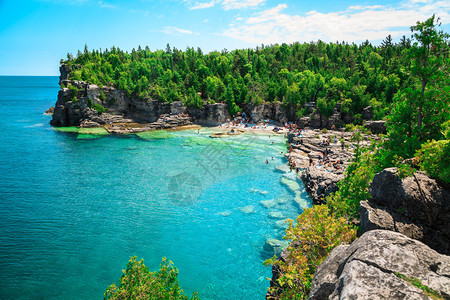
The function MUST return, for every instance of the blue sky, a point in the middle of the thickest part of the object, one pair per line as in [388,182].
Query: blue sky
[36,34]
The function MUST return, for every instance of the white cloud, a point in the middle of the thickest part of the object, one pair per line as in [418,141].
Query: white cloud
[226,4]
[106,5]
[356,24]
[204,4]
[238,4]
[176,30]
[359,7]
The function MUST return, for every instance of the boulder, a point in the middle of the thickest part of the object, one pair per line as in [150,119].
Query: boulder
[417,207]
[376,126]
[319,183]
[50,111]
[367,113]
[370,268]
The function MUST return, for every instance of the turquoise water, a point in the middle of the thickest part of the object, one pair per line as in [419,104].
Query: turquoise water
[74,208]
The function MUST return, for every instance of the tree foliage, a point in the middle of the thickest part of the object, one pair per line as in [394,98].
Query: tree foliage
[138,282]
[316,233]
[294,74]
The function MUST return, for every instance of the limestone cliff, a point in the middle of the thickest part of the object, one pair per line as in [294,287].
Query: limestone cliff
[90,105]
[373,266]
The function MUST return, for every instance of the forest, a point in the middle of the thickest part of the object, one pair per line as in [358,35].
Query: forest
[295,74]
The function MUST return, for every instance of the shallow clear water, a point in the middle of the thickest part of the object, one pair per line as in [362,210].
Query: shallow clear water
[74,208]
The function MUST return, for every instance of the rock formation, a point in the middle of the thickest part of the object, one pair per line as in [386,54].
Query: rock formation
[416,206]
[370,267]
[82,105]
[321,177]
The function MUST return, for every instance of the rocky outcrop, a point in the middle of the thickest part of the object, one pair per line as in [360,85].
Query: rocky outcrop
[65,71]
[307,151]
[268,111]
[88,104]
[320,183]
[50,110]
[416,206]
[210,114]
[370,267]
[376,126]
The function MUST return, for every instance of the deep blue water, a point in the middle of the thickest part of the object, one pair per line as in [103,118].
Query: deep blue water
[74,208]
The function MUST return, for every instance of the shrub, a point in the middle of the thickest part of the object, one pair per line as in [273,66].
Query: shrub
[102,96]
[434,158]
[137,282]
[99,108]
[316,233]
[324,130]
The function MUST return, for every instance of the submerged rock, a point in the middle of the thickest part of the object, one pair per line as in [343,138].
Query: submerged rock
[283,200]
[269,203]
[276,215]
[247,209]
[302,202]
[253,190]
[282,224]
[369,269]
[292,185]
[274,246]
[225,213]
[284,168]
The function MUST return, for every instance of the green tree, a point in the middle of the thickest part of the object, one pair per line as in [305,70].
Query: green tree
[138,282]
[428,55]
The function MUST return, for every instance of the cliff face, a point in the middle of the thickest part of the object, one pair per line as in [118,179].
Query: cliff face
[370,268]
[414,215]
[75,108]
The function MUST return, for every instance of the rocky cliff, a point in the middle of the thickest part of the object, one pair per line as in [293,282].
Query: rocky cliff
[416,206]
[90,105]
[414,243]
[376,266]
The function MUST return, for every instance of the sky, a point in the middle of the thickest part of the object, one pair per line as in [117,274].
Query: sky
[36,34]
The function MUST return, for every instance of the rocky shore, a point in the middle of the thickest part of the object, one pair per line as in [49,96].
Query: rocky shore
[323,156]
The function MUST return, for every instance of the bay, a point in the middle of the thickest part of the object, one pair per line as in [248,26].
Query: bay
[74,208]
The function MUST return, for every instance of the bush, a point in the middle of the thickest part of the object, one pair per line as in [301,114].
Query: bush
[137,282]
[434,158]
[99,108]
[316,233]
[102,96]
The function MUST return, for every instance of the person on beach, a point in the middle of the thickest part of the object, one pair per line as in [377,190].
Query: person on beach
[311,163]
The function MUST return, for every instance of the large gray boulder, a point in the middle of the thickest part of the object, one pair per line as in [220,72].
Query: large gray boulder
[376,126]
[417,207]
[319,182]
[367,269]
